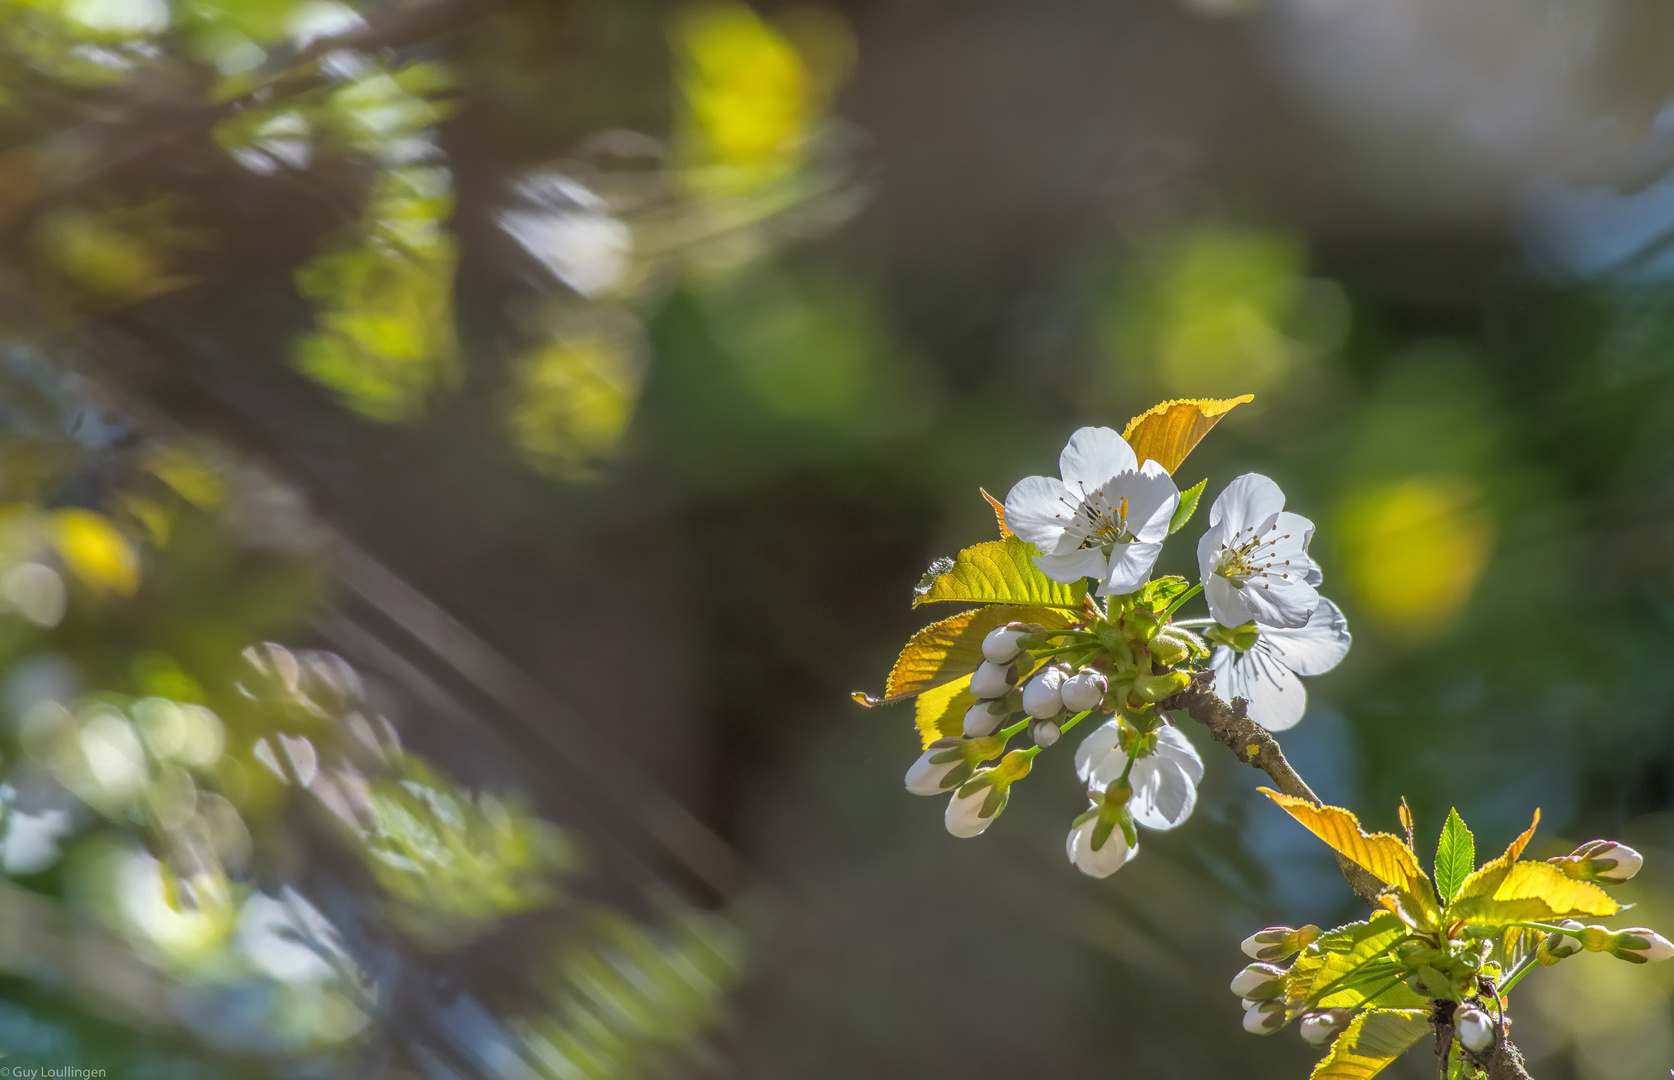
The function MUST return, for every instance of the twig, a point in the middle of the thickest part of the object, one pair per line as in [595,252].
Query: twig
[1254,745]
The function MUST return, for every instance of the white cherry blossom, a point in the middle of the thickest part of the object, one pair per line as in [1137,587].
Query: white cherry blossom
[1106,518]
[1164,782]
[1254,558]
[1265,674]
[1109,858]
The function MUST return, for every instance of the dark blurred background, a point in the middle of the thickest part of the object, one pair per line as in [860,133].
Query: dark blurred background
[458,457]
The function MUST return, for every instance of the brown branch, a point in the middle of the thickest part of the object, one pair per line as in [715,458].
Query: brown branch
[1254,745]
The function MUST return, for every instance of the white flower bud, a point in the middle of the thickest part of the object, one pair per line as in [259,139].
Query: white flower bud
[1319,1028]
[1083,691]
[1000,646]
[1265,1018]
[1278,942]
[1258,982]
[1111,856]
[1640,946]
[1043,697]
[981,719]
[1614,863]
[964,813]
[930,777]
[993,680]
[1045,733]
[1562,945]
[1475,1028]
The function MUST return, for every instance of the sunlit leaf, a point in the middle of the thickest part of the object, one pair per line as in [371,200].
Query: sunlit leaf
[95,551]
[1484,881]
[1168,432]
[953,647]
[1533,891]
[1455,855]
[941,712]
[1000,572]
[999,512]
[1382,855]
[1336,955]
[1371,1042]
[1188,506]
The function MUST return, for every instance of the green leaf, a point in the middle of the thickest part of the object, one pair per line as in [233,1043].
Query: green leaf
[1372,1041]
[1455,856]
[1331,966]
[1000,572]
[1188,506]
[1159,592]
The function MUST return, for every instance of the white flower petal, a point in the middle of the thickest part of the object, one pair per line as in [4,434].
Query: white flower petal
[1094,455]
[1173,744]
[1276,696]
[1226,601]
[1248,500]
[1164,793]
[1038,509]
[1107,859]
[1130,567]
[1281,604]
[1077,564]
[1152,500]
[1312,649]
[1096,747]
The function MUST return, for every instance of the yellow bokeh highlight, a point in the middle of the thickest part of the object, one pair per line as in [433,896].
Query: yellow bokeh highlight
[1414,550]
[574,398]
[95,551]
[748,95]
[1222,310]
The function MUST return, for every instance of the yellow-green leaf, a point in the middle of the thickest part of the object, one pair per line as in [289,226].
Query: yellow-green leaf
[1484,881]
[1000,572]
[941,712]
[1168,432]
[945,650]
[1188,506]
[95,551]
[1533,891]
[1327,976]
[1371,1042]
[1382,855]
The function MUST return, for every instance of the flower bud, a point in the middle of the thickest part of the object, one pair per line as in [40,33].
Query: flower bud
[1160,687]
[933,772]
[1043,697]
[974,807]
[1603,861]
[1045,733]
[983,718]
[1169,650]
[1111,854]
[1555,947]
[1083,691]
[1319,1028]
[1265,1018]
[1640,946]
[1001,646]
[1141,625]
[993,680]
[1278,942]
[1475,1028]
[1258,982]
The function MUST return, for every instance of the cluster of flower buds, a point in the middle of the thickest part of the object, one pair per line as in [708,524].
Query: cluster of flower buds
[1603,862]
[1261,985]
[980,792]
